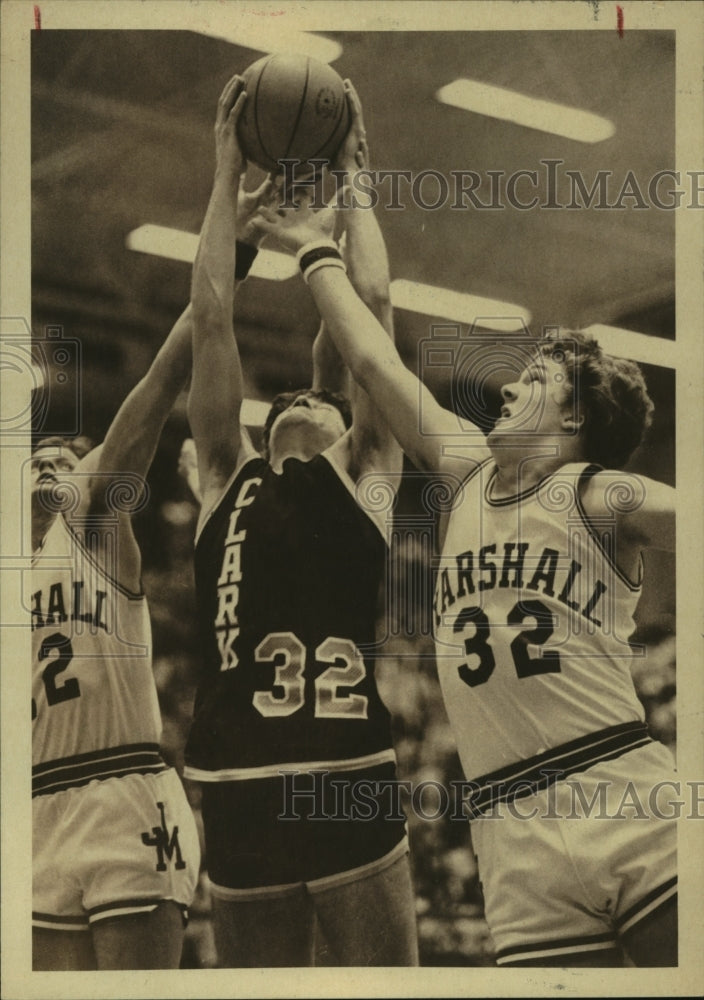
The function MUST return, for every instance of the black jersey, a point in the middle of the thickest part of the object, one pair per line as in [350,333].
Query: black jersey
[288,570]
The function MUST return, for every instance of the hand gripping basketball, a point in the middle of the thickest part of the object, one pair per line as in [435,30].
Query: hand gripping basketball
[229,157]
[297,111]
[354,152]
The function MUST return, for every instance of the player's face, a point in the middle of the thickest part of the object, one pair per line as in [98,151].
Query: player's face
[51,466]
[308,422]
[537,403]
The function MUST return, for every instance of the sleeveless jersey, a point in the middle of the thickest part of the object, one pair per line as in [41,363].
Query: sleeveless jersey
[532,621]
[288,570]
[95,710]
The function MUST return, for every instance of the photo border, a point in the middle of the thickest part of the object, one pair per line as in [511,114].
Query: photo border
[19,19]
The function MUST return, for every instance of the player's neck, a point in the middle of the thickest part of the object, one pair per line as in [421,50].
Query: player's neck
[517,472]
[302,451]
[292,443]
[42,520]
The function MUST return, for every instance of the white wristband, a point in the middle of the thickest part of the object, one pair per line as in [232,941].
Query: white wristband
[323,262]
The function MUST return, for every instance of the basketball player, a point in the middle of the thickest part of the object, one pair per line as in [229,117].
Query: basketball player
[116,853]
[536,588]
[288,565]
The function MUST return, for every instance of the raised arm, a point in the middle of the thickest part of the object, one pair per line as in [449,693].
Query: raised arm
[422,427]
[358,316]
[373,443]
[329,370]
[378,369]
[133,435]
[215,398]
[115,472]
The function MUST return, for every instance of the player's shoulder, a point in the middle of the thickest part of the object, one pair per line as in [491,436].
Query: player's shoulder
[610,493]
[79,495]
[219,496]
[341,455]
[370,489]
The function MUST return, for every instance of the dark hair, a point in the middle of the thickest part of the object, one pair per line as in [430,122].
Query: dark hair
[610,395]
[80,446]
[284,400]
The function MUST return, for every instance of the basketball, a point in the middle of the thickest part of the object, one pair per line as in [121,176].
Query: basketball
[296,108]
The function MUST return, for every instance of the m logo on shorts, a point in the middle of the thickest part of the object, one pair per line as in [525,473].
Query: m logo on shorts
[166,845]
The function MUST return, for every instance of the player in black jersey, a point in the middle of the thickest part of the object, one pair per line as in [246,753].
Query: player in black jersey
[288,572]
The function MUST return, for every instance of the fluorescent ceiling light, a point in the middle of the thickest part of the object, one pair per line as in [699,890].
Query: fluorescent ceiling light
[274,37]
[510,106]
[302,42]
[635,346]
[490,314]
[176,244]
[163,242]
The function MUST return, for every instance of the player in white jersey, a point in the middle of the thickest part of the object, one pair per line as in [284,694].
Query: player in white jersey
[115,847]
[536,588]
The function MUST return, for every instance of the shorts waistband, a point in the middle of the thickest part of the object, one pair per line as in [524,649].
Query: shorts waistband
[294,767]
[526,777]
[98,765]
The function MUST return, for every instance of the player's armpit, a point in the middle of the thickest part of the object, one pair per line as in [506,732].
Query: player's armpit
[217,483]
[651,522]
[641,509]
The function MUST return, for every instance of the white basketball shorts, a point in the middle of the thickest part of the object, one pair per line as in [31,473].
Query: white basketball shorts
[571,868]
[112,848]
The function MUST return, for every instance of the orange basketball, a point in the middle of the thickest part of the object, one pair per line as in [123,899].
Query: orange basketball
[296,108]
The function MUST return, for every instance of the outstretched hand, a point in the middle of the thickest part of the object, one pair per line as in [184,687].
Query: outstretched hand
[295,227]
[267,195]
[353,154]
[229,158]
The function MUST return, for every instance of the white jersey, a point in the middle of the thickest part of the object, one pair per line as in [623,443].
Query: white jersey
[95,710]
[532,624]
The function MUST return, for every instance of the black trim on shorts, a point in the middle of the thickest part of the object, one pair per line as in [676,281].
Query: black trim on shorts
[80,923]
[98,765]
[526,777]
[139,905]
[578,945]
[647,900]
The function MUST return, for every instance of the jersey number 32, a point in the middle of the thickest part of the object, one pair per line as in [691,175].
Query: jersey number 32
[526,665]
[345,671]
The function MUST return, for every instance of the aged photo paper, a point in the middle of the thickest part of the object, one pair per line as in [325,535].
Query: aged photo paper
[534,166]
